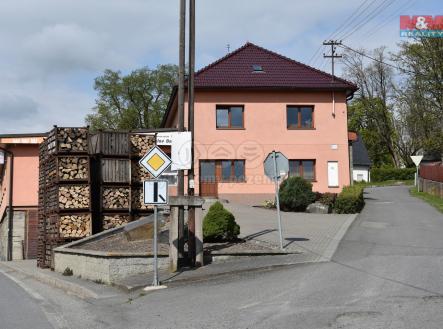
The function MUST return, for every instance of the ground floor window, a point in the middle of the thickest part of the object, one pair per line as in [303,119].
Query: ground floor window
[302,168]
[222,170]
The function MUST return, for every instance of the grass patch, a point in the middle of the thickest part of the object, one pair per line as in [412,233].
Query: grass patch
[385,183]
[433,200]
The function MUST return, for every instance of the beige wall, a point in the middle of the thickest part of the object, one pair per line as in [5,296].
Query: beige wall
[265,130]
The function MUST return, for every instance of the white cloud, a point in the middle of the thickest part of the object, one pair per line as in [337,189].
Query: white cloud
[51,50]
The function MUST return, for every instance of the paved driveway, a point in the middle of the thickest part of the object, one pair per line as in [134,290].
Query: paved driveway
[314,234]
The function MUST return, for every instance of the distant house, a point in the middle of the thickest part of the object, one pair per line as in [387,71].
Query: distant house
[19,161]
[254,101]
[361,162]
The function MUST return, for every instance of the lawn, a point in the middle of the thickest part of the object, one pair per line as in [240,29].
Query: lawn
[433,200]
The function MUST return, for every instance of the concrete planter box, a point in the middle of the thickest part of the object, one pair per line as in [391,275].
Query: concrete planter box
[108,266]
[105,267]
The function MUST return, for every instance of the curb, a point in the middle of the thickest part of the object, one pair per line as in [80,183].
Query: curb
[68,287]
[332,248]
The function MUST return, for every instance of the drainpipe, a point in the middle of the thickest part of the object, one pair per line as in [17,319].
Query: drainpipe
[10,211]
[333,104]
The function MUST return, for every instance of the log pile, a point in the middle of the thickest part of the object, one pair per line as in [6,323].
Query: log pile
[73,168]
[115,197]
[141,144]
[74,197]
[137,199]
[72,139]
[114,220]
[139,173]
[75,225]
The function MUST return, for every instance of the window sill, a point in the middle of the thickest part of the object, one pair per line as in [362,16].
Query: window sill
[333,186]
[231,181]
[290,128]
[231,128]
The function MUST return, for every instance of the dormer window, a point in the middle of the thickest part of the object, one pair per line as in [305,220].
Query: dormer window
[257,68]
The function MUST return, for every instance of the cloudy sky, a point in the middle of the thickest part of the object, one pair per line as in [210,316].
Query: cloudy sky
[51,50]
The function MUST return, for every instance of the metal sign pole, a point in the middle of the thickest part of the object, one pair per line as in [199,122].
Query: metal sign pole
[155,282]
[277,199]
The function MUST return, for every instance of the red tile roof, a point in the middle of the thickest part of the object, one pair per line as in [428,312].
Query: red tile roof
[235,70]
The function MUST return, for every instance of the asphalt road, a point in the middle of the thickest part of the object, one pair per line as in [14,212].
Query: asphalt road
[18,310]
[386,273]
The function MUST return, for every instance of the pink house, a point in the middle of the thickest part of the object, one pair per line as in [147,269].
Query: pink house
[254,101]
[19,160]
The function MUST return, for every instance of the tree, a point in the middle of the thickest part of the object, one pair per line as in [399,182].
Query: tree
[421,94]
[137,100]
[372,110]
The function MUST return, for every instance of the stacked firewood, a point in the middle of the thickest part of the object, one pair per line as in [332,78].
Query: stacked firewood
[139,173]
[74,196]
[137,199]
[73,168]
[115,197]
[75,226]
[72,139]
[141,144]
[111,221]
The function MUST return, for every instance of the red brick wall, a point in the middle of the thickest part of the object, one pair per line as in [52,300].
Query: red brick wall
[31,234]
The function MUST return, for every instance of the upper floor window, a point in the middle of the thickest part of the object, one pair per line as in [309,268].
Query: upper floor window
[300,117]
[230,117]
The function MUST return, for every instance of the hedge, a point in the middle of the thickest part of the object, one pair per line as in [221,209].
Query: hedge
[384,174]
[350,200]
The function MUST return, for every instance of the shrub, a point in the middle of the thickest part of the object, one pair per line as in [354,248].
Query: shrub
[328,199]
[269,204]
[68,272]
[384,174]
[350,200]
[219,224]
[295,194]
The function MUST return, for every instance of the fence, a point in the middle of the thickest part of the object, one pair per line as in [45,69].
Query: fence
[432,171]
[431,179]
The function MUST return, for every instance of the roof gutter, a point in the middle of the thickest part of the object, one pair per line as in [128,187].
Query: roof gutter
[10,210]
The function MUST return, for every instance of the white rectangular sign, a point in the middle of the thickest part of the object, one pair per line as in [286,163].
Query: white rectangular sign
[155,192]
[164,138]
[181,150]
[2,157]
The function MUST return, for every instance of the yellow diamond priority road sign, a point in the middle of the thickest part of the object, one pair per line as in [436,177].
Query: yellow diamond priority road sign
[155,161]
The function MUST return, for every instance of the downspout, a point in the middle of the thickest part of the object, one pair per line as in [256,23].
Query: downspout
[333,104]
[10,211]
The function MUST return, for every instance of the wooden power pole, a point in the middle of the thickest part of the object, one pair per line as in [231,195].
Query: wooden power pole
[333,44]
[181,122]
[191,211]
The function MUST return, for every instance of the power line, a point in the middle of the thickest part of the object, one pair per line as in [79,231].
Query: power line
[345,23]
[371,15]
[375,59]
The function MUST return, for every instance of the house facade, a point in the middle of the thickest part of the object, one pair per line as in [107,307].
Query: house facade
[361,170]
[19,161]
[254,101]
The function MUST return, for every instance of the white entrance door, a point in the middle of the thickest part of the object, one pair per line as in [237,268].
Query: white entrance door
[332,173]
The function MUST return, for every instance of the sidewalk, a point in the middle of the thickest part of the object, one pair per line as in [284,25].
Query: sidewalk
[309,237]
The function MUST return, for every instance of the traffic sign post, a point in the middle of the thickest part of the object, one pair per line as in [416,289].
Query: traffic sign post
[417,159]
[155,192]
[277,165]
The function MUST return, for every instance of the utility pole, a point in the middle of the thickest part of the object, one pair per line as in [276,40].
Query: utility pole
[333,44]
[181,128]
[191,183]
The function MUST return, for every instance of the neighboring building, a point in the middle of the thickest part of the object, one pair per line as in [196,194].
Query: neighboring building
[361,162]
[253,101]
[22,167]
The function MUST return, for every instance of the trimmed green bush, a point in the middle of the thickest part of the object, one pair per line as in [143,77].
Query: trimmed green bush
[384,174]
[296,194]
[328,199]
[350,200]
[219,224]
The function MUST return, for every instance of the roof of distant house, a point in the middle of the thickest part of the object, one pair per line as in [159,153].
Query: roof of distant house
[360,155]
